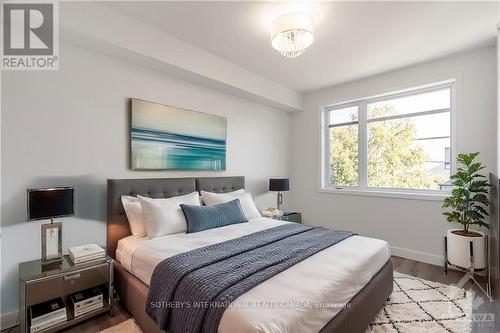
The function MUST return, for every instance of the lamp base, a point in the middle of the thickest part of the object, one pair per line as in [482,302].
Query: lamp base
[50,265]
[51,243]
[279,200]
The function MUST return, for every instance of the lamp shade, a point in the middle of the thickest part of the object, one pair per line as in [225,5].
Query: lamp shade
[279,184]
[47,203]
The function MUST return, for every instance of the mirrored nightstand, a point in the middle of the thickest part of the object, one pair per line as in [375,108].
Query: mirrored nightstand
[290,217]
[38,284]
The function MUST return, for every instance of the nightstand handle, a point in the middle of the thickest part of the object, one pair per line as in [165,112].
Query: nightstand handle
[72,277]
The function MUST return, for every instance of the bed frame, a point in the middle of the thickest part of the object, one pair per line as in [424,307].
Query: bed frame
[353,319]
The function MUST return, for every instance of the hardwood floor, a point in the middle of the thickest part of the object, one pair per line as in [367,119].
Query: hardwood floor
[101,322]
[405,266]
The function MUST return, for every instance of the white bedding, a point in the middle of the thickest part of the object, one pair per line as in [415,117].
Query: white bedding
[300,299]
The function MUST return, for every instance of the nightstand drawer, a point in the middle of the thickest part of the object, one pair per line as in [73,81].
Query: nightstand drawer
[43,290]
[84,279]
[71,282]
[291,217]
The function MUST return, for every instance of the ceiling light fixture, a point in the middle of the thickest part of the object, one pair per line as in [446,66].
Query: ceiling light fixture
[292,33]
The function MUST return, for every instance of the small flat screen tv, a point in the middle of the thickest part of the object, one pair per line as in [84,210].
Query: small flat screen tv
[49,203]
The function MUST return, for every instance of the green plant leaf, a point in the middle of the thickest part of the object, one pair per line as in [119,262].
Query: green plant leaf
[482,224]
[467,159]
[468,200]
[478,175]
[482,210]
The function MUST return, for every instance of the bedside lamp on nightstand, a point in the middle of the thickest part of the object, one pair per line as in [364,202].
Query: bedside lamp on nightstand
[279,185]
[51,203]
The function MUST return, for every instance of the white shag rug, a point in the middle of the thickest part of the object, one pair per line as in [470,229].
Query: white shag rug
[127,326]
[415,306]
[418,306]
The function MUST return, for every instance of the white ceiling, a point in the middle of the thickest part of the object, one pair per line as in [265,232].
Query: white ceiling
[352,39]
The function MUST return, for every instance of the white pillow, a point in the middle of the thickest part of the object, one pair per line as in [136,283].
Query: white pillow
[246,201]
[133,210]
[211,197]
[165,216]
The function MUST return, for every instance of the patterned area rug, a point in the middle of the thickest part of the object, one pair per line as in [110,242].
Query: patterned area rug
[418,305]
[415,306]
[127,326]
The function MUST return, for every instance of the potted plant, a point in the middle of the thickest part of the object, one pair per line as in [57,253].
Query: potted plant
[468,203]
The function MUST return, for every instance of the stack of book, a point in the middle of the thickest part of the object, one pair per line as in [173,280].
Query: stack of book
[83,253]
[47,314]
[86,301]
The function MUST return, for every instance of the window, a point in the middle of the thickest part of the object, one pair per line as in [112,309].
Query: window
[398,142]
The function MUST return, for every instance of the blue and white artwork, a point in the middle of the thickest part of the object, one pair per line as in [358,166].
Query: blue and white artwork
[169,138]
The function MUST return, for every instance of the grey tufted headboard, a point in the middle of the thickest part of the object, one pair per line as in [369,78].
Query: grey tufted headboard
[117,226]
[220,184]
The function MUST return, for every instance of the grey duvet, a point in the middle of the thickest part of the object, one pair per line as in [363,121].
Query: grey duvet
[189,292]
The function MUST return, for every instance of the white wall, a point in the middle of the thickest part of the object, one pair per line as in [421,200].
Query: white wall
[414,228]
[70,127]
[132,39]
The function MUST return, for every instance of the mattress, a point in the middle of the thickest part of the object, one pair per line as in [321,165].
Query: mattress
[304,298]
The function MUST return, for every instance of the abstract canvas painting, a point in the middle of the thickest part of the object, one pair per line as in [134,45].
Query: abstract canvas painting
[169,138]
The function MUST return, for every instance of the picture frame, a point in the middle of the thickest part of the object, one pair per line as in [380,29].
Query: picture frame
[51,243]
[164,137]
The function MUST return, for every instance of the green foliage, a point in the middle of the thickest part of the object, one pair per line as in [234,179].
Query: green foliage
[468,201]
[394,161]
[344,153]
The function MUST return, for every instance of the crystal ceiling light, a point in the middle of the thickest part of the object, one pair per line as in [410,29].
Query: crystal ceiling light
[292,33]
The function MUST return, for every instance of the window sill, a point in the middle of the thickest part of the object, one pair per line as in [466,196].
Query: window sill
[437,196]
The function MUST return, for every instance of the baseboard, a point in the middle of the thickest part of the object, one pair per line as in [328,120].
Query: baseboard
[417,255]
[8,320]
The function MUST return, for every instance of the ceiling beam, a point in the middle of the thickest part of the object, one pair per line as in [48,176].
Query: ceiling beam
[103,29]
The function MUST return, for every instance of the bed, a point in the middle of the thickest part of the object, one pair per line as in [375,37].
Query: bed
[356,271]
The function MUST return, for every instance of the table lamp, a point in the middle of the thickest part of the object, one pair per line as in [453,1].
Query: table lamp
[51,203]
[279,185]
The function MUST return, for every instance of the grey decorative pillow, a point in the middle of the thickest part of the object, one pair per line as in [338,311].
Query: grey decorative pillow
[201,218]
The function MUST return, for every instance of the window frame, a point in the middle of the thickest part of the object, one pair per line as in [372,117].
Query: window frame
[362,188]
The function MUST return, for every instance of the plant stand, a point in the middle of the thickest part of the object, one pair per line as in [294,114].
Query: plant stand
[470,273]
